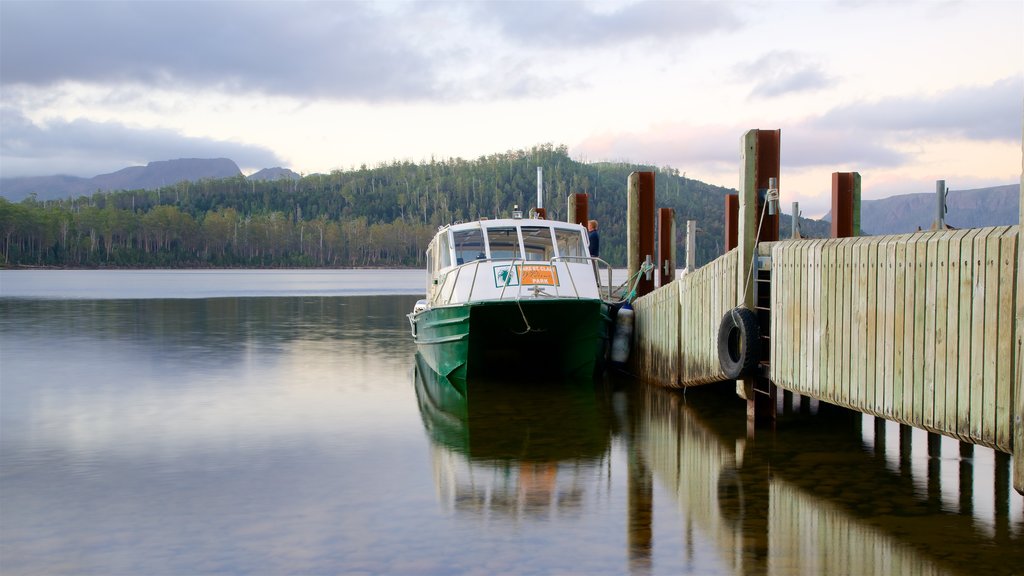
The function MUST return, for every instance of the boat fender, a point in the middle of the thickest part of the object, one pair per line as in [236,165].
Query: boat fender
[623,335]
[738,343]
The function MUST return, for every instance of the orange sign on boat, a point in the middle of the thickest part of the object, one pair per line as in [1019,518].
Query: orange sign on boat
[538,275]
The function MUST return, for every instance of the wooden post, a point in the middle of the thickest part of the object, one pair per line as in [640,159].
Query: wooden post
[691,246]
[640,227]
[1018,419]
[667,244]
[795,228]
[843,185]
[732,223]
[760,163]
[577,212]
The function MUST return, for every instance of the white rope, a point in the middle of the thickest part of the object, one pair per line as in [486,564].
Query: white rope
[753,256]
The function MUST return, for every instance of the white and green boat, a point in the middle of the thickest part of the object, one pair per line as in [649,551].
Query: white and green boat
[513,297]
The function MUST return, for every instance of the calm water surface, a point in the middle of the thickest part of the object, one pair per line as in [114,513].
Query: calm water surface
[226,422]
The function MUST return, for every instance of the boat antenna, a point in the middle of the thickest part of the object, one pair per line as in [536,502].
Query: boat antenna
[540,193]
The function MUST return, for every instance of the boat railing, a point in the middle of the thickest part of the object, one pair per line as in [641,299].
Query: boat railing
[598,266]
[448,283]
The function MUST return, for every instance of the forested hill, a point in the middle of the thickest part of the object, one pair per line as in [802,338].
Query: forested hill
[382,216]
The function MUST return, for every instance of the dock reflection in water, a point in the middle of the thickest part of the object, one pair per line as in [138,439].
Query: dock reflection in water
[812,498]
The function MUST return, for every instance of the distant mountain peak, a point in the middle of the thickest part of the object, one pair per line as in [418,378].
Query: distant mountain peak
[155,174]
[276,173]
[993,206]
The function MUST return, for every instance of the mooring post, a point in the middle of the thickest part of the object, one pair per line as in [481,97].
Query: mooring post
[759,166]
[845,204]
[732,223]
[795,227]
[640,227]
[940,204]
[577,209]
[666,245]
[691,246]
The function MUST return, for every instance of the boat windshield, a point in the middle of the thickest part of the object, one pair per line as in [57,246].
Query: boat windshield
[537,243]
[503,242]
[570,243]
[469,245]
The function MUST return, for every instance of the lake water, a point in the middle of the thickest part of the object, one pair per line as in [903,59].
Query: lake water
[180,422]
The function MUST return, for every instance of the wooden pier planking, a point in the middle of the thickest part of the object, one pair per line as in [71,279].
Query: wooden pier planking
[1004,368]
[915,328]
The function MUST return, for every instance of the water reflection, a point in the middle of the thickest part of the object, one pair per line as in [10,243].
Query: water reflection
[808,499]
[515,450]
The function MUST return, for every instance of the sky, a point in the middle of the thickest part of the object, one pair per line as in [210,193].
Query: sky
[905,93]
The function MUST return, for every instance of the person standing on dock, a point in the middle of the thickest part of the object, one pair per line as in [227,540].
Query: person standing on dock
[594,238]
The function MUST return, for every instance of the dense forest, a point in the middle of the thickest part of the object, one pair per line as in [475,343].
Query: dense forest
[367,217]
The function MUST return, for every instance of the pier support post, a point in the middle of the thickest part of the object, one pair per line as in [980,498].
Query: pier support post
[577,212]
[845,204]
[760,163]
[691,246]
[1018,395]
[732,221]
[666,245]
[640,226]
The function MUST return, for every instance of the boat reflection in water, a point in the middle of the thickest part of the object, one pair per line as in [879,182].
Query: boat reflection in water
[513,449]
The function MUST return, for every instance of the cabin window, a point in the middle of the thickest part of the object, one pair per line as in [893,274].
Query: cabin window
[469,245]
[570,243]
[503,242]
[537,243]
[444,253]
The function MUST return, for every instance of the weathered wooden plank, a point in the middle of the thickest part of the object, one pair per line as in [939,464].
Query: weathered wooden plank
[871,340]
[925,408]
[965,324]
[978,293]
[904,329]
[988,428]
[800,290]
[953,350]
[856,323]
[889,330]
[817,326]
[845,308]
[1004,368]
[941,350]
[915,400]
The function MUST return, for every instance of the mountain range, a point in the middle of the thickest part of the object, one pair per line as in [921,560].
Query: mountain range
[151,176]
[994,206]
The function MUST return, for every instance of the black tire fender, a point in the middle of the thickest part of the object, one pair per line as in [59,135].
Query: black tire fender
[739,343]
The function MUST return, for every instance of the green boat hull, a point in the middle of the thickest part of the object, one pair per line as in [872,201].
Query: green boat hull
[542,339]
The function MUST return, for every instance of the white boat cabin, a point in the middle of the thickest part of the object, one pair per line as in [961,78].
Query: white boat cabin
[509,259]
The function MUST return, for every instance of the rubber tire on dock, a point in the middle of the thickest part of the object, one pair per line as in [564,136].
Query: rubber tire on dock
[738,343]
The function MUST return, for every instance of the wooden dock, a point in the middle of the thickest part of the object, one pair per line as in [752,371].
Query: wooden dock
[924,329]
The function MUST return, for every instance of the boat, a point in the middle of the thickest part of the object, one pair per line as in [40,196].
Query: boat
[515,297]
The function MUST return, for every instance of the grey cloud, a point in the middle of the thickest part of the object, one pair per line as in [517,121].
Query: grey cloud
[327,49]
[576,24]
[337,50]
[779,73]
[86,148]
[975,112]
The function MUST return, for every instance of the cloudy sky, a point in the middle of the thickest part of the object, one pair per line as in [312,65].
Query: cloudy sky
[903,92]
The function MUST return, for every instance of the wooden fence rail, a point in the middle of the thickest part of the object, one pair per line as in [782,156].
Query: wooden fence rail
[916,328]
[677,326]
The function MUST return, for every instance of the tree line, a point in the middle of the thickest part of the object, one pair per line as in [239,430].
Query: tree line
[380,216]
